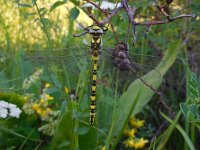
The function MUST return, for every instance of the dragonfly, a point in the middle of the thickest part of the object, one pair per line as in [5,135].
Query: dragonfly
[119,56]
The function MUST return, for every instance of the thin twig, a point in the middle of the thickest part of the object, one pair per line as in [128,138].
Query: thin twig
[142,80]
[92,17]
[151,87]
[151,23]
[116,37]
[163,13]
[130,14]
[112,13]
[77,35]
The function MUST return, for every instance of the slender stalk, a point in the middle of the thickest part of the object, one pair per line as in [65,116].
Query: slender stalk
[43,24]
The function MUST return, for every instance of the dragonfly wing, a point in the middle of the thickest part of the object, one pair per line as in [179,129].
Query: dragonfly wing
[150,60]
[142,69]
[71,58]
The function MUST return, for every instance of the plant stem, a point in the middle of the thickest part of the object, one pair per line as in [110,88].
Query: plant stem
[44,27]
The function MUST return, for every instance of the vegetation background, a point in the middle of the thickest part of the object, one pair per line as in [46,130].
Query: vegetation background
[42,88]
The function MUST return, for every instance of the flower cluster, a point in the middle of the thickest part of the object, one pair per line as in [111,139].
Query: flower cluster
[9,110]
[50,123]
[42,108]
[32,79]
[133,141]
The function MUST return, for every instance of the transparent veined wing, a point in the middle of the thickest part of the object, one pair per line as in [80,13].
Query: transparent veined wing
[71,58]
[139,64]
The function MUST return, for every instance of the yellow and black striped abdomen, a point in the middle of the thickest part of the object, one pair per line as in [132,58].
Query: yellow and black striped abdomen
[96,33]
[93,94]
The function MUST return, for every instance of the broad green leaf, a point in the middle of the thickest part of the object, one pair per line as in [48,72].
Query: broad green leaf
[57,4]
[138,95]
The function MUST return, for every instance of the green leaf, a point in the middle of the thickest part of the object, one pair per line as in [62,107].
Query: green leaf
[194,86]
[55,81]
[57,4]
[46,21]
[75,2]
[194,109]
[138,94]
[184,109]
[64,133]
[190,112]
[74,13]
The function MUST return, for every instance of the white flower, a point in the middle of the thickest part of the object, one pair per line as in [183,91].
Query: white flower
[109,5]
[9,110]
[15,112]
[3,104]
[11,106]
[3,112]
[104,5]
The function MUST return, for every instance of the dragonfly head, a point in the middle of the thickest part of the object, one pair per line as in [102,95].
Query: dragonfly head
[96,29]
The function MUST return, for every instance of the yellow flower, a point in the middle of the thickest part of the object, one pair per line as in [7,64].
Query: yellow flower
[132,132]
[47,85]
[41,112]
[135,143]
[136,122]
[35,106]
[43,103]
[66,90]
[48,97]
[140,143]
[129,143]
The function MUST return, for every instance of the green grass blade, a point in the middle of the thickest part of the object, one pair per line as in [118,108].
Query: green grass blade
[184,134]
